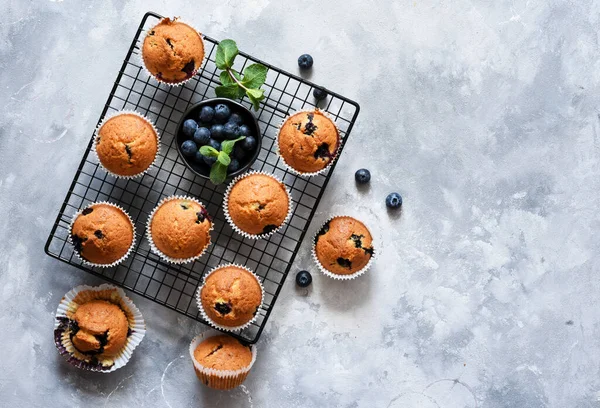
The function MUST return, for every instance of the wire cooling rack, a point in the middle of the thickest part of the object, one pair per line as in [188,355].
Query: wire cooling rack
[144,273]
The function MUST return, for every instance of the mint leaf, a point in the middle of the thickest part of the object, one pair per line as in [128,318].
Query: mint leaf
[228,91]
[223,158]
[208,151]
[227,145]
[227,50]
[226,79]
[218,173]
[255,96]
[255,76]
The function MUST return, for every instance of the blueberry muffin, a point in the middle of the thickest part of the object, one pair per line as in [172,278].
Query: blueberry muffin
[172,51]
[220,361]
[343,246]
[179,229]
[99,328]
[230,296]
[257,204]
[308,141]
[102,234]
[126,144]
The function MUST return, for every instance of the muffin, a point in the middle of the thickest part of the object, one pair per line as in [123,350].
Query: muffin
[97,328]
[172,51]
[230,297]
[256,204]
[126,144]
[102,234]
[179,229]
[308,141]
[343,247]
[220,361]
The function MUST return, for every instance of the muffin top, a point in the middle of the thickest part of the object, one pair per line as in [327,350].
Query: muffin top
[173,51]
[223,353]
[231,296]
[180,228]
[258,204]
[126,144]
[101,328]
[344,245]
[102,234]
[308,141]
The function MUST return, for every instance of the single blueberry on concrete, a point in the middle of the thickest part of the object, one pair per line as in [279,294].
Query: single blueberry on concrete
[393,201]
[305,61]
[303,279]
[362,176]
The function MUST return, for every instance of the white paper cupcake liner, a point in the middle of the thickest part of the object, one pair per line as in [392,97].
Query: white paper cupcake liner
[151,241]
[226,205]
[340,276]
[67,307]
[213,323]
[220,379]
[126,112]
[143,63]
[118,261]
[337,150]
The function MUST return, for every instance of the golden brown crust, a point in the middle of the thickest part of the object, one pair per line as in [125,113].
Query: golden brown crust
[231,296]
[180,228]
[173,51]
[102,328]
[223,353]
[308,141]
[344,246]
[126,144]
[258,204]
[102,234]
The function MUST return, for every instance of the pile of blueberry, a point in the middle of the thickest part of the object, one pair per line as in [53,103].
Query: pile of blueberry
[209,128]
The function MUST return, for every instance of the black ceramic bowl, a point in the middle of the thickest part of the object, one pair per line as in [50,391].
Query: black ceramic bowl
[202,169]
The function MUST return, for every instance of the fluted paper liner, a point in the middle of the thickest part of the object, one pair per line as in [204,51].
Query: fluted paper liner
[333,159]
[118,261]
[340,276]
[173,84]
[201,307]
[226,205]
[219,379]
[69,305]
[126,112]
[149,232]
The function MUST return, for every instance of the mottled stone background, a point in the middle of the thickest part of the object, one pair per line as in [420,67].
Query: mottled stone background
[483,114]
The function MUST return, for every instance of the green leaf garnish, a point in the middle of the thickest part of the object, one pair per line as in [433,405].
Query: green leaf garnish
[209,151]
[223,158]
[218,173]
[234,85]
[227,50]
[227,145]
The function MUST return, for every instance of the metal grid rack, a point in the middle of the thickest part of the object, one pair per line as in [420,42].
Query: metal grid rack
[144,273]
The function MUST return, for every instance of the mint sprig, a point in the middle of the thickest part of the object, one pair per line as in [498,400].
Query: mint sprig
[218,171]
[235,85]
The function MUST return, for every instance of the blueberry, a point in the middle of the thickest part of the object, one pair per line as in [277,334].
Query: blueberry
[215,144]
[210,160]
[231,130]
[238,152]
[201,136]
[207,113]
[222,113]
[234,165]
[305,61]
[189,127]
[198,158]
[236,118]
[319,94]
[303,279]
[394,201]
[217,132]
[189,148]
[248,144]
[244,130]
[362,176]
